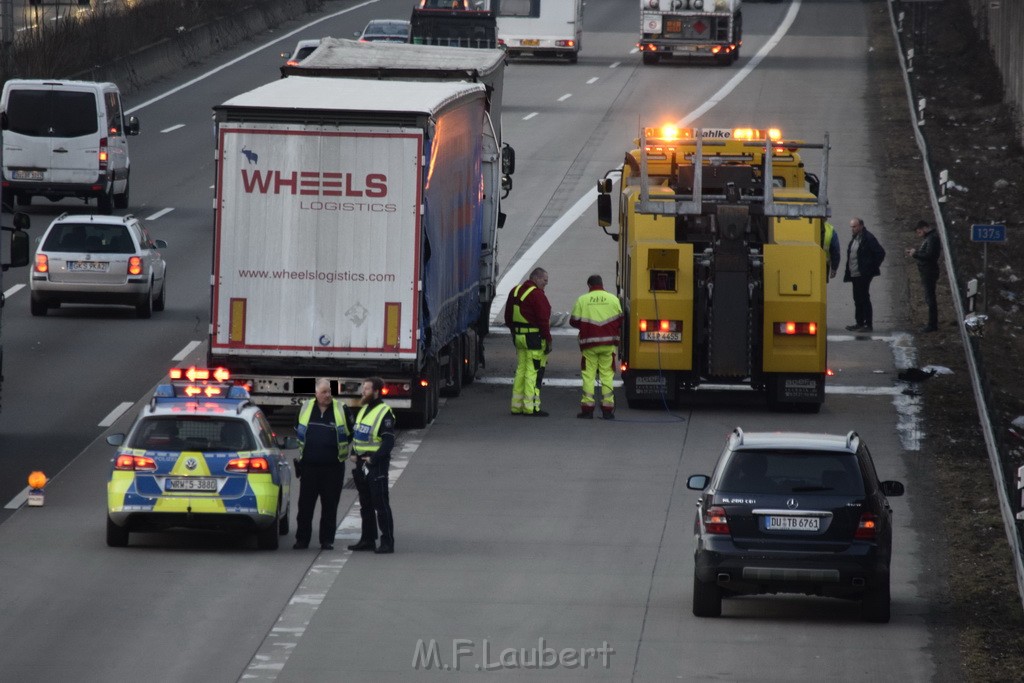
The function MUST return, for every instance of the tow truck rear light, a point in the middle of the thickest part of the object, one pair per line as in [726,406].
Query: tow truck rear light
[715,521]
[247,465]
[661,330]
[42,263]
[135,265]
[791,328]
[867,528]
[139,463]
[103,154]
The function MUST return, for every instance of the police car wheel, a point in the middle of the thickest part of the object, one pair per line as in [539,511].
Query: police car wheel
[283,524]
[117,536]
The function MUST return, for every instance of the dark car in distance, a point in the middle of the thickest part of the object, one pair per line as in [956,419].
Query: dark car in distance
[788,512]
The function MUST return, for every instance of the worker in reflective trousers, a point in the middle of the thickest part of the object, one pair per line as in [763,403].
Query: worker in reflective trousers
[373,437]
[598,316]
[528,317]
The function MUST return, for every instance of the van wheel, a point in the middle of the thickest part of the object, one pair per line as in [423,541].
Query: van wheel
[144,309]
[37,306]
[121,200]
[105,202]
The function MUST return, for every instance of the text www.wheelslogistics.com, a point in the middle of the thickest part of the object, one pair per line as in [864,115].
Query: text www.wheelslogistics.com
[319,275]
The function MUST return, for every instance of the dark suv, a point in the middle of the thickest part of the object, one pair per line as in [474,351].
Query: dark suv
[793,513]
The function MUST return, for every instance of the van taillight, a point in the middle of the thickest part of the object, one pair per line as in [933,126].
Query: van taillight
[715,521]
[103,154]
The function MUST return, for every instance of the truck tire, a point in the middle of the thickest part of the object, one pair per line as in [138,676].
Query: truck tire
[471,353]
[651,58]
[453,373]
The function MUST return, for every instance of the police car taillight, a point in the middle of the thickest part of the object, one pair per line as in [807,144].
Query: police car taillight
[247,465]
[126,461]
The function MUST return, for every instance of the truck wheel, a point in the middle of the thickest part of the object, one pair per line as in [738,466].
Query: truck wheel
[707,598]
[874,606]
[121,200]
[651,58]
[573,57]
[117,536]
[453,379]
[471,354]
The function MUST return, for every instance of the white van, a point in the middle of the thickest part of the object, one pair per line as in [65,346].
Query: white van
[65,139]
[540,27]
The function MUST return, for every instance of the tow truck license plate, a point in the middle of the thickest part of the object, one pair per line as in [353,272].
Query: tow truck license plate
[88,266]
[190,484]
[793,523]
[661,336]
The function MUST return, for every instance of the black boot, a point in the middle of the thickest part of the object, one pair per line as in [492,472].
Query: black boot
[364,545]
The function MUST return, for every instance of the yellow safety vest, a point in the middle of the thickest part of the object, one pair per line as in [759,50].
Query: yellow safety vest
[340,424]
[522,325]
[366,437]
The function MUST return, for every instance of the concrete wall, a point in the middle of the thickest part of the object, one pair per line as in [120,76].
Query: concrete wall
[190,47]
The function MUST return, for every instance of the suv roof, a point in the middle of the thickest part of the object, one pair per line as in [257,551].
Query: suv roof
[740,440]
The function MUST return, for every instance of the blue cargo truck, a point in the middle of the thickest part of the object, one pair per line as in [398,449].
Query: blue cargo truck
[348,224]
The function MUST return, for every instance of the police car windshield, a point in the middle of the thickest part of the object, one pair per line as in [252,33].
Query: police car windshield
[192,433]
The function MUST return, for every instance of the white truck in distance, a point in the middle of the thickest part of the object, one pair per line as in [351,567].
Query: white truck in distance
[348,231]
[541,28]
[691,29]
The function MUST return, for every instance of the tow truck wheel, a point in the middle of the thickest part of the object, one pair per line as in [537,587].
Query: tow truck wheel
[117,536]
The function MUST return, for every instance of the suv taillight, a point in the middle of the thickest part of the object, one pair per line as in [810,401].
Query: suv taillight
[126,461]
[103,154]
[867,528]
[715,521]
[135,265]
[42,263]
[247,465]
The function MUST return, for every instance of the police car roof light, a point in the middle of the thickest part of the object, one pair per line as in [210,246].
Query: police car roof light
[237,391]
[164,391]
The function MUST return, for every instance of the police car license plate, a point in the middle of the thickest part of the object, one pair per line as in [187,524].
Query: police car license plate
[190,484]
[88,266]
[793,523]
[27,175]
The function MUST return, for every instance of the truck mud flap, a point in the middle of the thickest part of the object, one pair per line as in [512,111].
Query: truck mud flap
[797,389]
[649,386]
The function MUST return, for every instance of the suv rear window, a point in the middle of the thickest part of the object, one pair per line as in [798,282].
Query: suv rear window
[792,471]
[193,434]
[51,113]
[95,238]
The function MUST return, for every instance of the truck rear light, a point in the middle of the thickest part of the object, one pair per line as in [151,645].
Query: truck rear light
[247,465]
[795,328]
[42,263]
[565,43]
[103,154]
[867,528]
[135,265]
[661,330]
[624,366]
[397,389]
[715,521]
[142,463]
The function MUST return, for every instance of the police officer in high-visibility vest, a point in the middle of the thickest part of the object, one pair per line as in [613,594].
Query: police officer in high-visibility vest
[528,317]
[598,316]
[325,431]
[372,441]
[832,251]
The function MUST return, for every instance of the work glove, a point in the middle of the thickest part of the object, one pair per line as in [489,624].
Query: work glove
[547,346]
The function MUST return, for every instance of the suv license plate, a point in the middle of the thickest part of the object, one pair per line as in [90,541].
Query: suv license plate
[191,484]
[775,523]
[88,266]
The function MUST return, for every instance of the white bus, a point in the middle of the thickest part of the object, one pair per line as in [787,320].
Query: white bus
[540,27]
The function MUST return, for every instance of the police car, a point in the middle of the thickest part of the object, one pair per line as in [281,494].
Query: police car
[200,455]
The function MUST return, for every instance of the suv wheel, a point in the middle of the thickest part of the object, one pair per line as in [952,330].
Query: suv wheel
[874,606]
[117,536]
[707,598]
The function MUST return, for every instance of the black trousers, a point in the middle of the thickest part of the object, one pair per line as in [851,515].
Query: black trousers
[929,283]
[323,483]
[374,506]
[862,312]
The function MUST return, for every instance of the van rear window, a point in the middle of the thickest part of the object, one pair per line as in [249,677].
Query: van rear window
[51,113]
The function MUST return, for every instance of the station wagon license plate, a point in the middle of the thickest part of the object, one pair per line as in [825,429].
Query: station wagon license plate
[529,42]
[88,266]
[191,484]
[786,523]
[27,175]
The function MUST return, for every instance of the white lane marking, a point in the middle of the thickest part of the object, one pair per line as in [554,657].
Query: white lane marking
[248,54]
[277,647]
[592,80]
[517,271]
[115,414]
[13,290]
[168,130]
[183,354]
[529,116]
[615,64]
[564,97]
[634,51]
[850,390]
[18,500]
[159,214]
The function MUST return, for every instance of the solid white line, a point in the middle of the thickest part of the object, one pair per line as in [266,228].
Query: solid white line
[13,290]
[615,64]
[159,214]
[529,116]
[564,97]
[168,130]
[115,414]
[183,354]
[517,271]
[849,390]
[248,54]
[592,80]
[18,500]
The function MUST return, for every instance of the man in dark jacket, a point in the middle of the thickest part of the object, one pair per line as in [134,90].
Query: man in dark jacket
[528,316]
[373,438]
[927,257]
[864,256]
